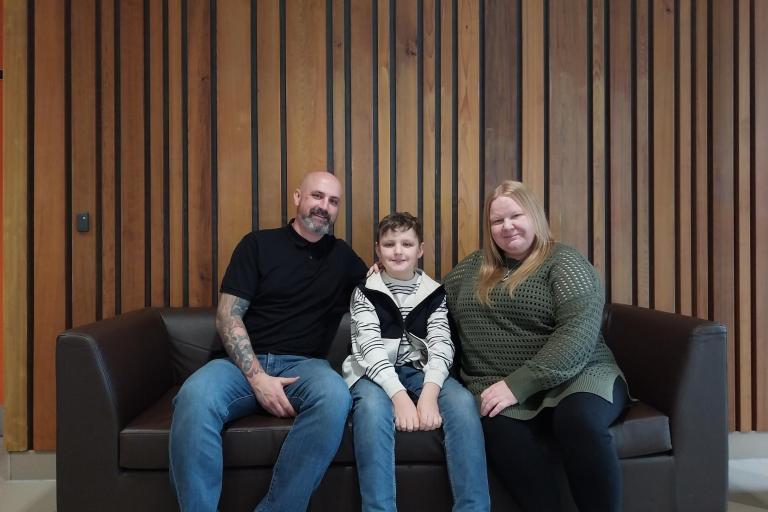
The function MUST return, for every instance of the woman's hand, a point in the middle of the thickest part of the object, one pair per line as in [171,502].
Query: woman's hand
[375,269]
[495,399]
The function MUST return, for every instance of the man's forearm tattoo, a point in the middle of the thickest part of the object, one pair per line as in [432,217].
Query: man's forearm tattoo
[235,337]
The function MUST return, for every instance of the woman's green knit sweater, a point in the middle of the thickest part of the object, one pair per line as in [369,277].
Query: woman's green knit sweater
[544,341]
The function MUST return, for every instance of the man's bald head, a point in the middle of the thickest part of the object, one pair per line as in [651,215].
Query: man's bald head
[317,203]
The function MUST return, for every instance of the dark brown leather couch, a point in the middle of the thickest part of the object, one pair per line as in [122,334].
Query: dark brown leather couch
[116,378]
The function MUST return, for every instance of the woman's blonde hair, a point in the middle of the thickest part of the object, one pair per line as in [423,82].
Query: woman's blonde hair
[493,269]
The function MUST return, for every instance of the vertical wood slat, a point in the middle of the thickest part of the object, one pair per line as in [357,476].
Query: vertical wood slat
[16,264]
[156,148]
[663,158]
[406,105]
[533,96]
[339,164]
[108,135]
[501,94]
[83,126]
[132,227]
[723,115]
[685,261]
[701,154]
[305,92]
[468,97]
[361,90]
[599,138]
[384,71]
[642,154]
[568,178]
[742,211]
[760,233]
[49,207]
[268,72]
[621,117]
[234,126]
[429,136]
[175,156]
[446,139]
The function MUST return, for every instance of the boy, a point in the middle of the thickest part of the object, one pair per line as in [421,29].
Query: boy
[401,344]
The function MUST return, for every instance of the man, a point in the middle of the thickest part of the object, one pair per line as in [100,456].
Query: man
[281,300]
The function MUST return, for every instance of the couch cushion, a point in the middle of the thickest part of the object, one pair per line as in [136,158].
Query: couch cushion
[641,430]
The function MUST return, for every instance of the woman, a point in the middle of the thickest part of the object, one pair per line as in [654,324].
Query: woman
[528,312]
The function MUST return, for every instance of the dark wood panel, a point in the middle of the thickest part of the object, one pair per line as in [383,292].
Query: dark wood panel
[429,132]
[663,156]
[620,147]
[132,226]
[501,92]
[599,141]
[468,97]
[361,114]
[16,263]
[760,243]
[569,123]
[642,154]
[701,169]
[108,134]
[406,125]
[156,150]
[534,93]
[268,76]
[447,192]
[199,149]
[233,62]
[83,123]
[49,207]
[723,273]
[385,120]
[175,153]
[685,262]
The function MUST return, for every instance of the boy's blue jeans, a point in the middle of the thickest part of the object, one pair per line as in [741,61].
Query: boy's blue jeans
[218,393]
[373,424]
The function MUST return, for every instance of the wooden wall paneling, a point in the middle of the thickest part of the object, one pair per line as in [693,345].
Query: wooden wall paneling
[447,192]
[158,213]
[534,93]
[16,259]
[663,157]
[760,227]
[233,72]
[175,155]
[743,211]
[620,148]
[83,129]
[268,76]
[642,153]
[723,118]
[108,161]
[385,119]
[599,139]
[700,111]
[305,92]
[685,263]
[569,123]
[49,207]
[199,150]
[361,114]
[132,226]
[338,134]
[501,93]
[469,127]
[429,132]
[406,119]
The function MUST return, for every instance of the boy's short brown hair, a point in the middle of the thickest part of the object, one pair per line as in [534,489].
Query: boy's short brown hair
[399,221]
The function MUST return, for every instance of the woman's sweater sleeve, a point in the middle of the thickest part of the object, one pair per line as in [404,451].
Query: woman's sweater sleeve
[367,346]
[578,307]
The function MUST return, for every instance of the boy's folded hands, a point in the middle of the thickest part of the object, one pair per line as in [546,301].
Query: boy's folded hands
[410,417]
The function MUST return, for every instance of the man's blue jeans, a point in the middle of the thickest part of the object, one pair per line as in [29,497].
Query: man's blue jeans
[218,393]
[373,423]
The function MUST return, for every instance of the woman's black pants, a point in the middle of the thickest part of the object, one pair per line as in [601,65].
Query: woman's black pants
[578,427]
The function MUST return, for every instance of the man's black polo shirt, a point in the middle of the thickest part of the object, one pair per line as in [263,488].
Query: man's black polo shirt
[298,290]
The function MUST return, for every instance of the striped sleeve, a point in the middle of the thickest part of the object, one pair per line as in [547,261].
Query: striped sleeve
[440,347]
[368,348]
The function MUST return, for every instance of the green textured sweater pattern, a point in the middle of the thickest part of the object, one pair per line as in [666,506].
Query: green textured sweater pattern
[544,341]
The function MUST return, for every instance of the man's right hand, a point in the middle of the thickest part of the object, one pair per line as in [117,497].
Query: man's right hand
[270,394]
[406,415]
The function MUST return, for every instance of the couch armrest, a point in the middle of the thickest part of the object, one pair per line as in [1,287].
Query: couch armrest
[106,373]
[678,365]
